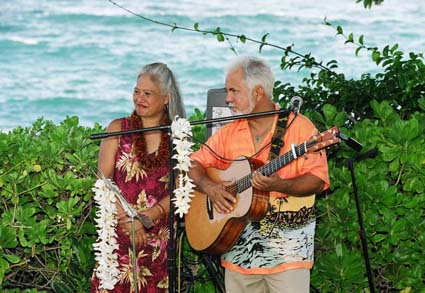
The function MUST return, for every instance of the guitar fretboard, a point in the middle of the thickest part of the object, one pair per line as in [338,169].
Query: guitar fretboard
[271,167]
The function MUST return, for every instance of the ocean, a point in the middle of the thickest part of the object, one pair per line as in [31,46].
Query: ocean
[80,58]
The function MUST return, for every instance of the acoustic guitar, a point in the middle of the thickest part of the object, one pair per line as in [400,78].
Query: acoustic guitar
[216,233]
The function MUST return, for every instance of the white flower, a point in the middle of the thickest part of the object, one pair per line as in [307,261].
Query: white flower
[107,271]
[181,130]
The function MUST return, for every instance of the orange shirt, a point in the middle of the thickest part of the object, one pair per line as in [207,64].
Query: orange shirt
[284,249]
[234,140]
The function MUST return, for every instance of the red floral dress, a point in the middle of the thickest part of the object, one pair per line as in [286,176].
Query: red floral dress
[142,188]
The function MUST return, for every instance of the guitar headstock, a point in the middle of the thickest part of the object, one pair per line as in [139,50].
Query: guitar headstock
[324,139]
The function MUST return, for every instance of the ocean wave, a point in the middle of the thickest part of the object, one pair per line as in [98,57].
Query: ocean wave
[23,40]
[72,56]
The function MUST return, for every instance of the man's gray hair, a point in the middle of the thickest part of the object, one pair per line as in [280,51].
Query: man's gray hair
[256,72]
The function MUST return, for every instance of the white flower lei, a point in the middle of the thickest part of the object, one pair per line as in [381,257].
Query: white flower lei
[107,271]
[181,130]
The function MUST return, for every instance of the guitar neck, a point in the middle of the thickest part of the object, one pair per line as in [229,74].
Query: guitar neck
[272,166]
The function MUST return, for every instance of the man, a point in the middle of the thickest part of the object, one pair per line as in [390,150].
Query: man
[275,254]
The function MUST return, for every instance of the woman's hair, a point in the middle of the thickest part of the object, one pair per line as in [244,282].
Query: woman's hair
[256,72]
[159,72]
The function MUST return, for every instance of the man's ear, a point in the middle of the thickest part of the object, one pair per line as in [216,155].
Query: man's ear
[258,92]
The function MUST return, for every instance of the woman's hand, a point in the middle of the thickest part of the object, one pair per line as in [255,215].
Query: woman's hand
[141,235]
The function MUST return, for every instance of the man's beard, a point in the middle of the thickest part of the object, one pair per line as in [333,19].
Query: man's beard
[246,111]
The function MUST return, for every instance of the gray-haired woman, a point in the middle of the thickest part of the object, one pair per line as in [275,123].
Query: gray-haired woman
[139,165]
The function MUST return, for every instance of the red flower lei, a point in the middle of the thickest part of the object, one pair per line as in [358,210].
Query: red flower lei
[162,155]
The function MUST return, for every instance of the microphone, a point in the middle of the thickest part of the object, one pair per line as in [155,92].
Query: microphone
[296,103]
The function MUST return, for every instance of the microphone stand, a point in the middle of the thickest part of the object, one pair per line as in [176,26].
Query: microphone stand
[206,121]
[350,164]
[171,254]
[171,243]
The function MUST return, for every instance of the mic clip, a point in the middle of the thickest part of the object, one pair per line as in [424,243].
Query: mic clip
[295,104]
[351,142]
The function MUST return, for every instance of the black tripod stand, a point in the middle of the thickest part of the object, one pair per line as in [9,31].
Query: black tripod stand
[350,164]
[204,268]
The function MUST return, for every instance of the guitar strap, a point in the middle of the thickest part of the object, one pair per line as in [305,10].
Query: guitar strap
[277,139]
[276,144]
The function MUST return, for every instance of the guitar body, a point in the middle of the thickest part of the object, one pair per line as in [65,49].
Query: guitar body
[216,233]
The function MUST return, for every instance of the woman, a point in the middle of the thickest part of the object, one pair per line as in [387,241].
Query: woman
[139,165]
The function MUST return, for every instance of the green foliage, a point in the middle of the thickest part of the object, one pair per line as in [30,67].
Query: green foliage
[46,229]
[198,130]
[401,82]
[368,3]
[45,186]
[47,217]
[391,193]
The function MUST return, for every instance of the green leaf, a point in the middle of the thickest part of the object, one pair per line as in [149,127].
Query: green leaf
[338,249]
[22,239]
[421,104]
[61,287]
[394,165]
[36,168]
[393,48]
[326,22]
[329,111]
[261,47]
[4,266]
[12,258]
[339,30]
[358,50]
[412,129]
[220,37]
[340,119]
[385,51]
[378,238]
[414,184]
[196,26]
[376,57]
[7,237]
[242,38]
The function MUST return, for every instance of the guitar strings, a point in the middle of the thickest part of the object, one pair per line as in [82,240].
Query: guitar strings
[241,159]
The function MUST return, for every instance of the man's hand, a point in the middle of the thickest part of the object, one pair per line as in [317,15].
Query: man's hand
[265,183]
[303,185]
[221,200]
